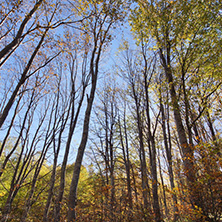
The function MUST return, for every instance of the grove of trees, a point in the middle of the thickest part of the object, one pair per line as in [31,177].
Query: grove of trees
[93,128]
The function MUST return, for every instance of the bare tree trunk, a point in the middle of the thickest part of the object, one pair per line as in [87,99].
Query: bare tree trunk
[18,138]
[49,138]
[151,140]
[18,36]
[168,150]
[163,186]
[73,122]
[56,150]
[156,206]
[142,155]
[22,80]
[34,181]
[20,173]
[187,151]
[126,159]
[81,149]
[134,184]
[100,29]
[10,127]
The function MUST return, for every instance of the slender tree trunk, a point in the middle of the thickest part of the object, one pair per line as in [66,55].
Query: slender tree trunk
[156,206]
[168,151]
[81,149]
[63,119]
[134,184]
[141,152]
[99,39]
[9,128]
[125,150]
[18,36]
[19,136]
[82,146]
[152,146]
[163,187]
[16,181]
[22,80]
[187,152]
[46,145]
[73,122]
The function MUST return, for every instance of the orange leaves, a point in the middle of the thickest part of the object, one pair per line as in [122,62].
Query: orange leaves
[106,189]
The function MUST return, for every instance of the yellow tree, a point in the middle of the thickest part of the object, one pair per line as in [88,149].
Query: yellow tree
[186,37]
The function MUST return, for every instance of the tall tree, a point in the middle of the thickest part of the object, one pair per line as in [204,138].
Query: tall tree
[172,34]
[106,14]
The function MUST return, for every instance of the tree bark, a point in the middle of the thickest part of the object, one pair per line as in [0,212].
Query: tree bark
[187,152]
[22,80]
[94,63]
[18,36]
[168,150]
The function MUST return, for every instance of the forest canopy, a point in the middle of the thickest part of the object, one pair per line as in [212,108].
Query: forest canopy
[110,110]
